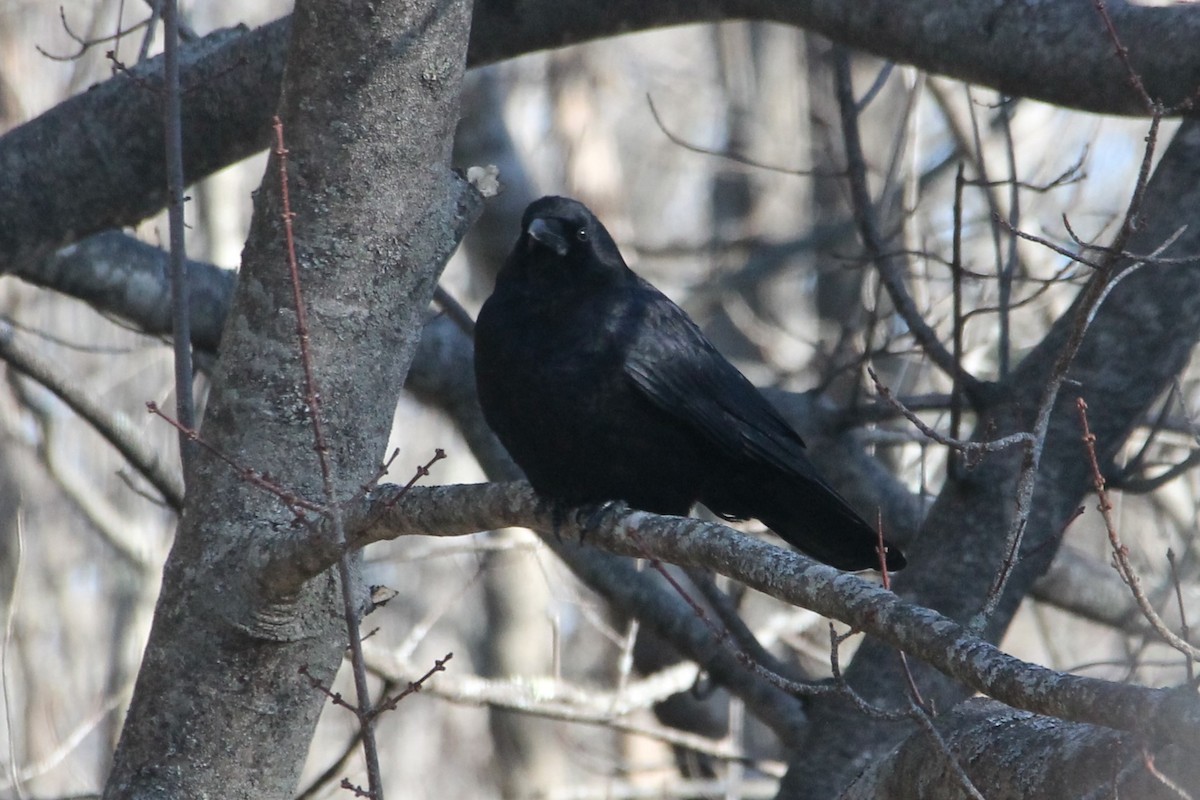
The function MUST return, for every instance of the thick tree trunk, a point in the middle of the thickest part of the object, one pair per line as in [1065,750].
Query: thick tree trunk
[369,103]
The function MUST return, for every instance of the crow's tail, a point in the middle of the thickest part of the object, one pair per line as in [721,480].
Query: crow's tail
[808,515]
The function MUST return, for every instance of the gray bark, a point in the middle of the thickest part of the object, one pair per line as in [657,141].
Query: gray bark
[1015,755]
[1151,311]
[220,709]
[1162,715]
[1057,52]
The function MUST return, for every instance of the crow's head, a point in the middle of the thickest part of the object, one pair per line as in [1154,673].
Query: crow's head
[560,233]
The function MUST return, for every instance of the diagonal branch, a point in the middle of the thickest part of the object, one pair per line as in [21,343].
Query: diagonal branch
[1161,714]
[887,263]
[115,427]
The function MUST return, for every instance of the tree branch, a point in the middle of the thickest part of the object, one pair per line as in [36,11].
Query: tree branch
[231,81]
[118,429]
[1163,715]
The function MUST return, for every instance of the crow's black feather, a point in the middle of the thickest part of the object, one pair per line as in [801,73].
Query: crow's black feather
[603,389]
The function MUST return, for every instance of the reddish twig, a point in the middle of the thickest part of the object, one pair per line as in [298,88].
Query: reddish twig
[348,579]
[1102,282]
[334,697]
[1135,80]
[414,686]
[1148,761]
[1121,552]
[886,580]
[380,471]
[295,503]
[422,472]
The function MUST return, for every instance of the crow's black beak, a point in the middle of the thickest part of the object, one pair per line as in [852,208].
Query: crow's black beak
[550,233]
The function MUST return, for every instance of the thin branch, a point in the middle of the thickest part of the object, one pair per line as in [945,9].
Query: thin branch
[725,154]
[1184,631]
[553,698]
[972,450]
[185,404]
[454,310]
[1121,552]
[298,505]
[111,526]
[1049,245]
[1132,485]
[1179,791]
[85,44]
[151,24]
[889,268]
[921,716]
[116,428]
[10,620]
[956,276]
[1108,273]
[1009,267]
[349,580]
[1135,80]
[317,786]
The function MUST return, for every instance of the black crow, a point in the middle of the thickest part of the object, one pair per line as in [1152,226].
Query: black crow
[603,389]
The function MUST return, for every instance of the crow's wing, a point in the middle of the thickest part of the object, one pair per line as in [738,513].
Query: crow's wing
[676,368]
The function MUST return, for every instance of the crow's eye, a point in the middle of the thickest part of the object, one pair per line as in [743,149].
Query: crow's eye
[581,235]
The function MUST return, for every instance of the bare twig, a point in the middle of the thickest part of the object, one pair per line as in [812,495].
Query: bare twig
[1148,761]
[554,698]
[734,157]
[185,404]
[1137,485]
[921,717]
[1184,632]
[1108,273]
[1135,80]
[317,786]
[725,638]
[422,471]
[10,619]
[972,450]
[390,703]
[1007,269]
[889,269]
[116,428]
[1121,553]
[349,581]
[1049,245]
[151,24]
[84,43]
[297,504]
[846,691]
[956,278]
[454,310]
